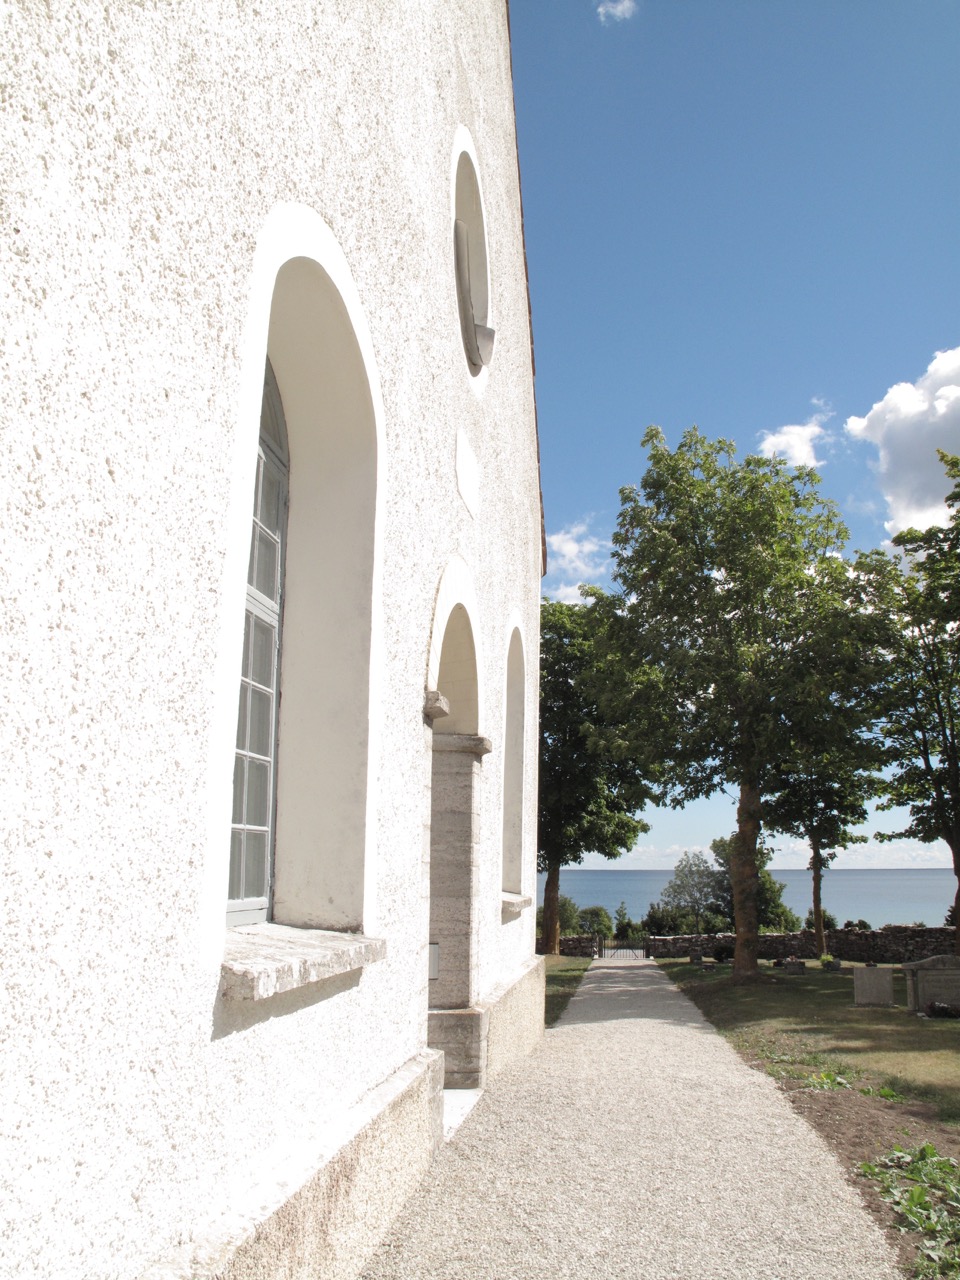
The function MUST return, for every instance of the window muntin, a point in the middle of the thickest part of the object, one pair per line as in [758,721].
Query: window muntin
[254,778]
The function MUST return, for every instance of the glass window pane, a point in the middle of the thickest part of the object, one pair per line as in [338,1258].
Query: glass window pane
[265,578]
[238,775]
[253,549]
[234,889]
[270,500]
[255,864]
[258,794]
[264,644]
[247,627]
[242,719]
[258,485]
[261,717]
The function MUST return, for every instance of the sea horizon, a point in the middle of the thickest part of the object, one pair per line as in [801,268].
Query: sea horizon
[887,895]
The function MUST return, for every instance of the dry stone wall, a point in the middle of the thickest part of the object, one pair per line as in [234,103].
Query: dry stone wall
[894,945]
[584,946]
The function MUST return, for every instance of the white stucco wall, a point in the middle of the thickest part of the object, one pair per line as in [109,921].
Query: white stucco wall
[153,163]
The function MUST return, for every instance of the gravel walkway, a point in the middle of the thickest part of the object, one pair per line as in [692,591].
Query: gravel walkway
[634,1144]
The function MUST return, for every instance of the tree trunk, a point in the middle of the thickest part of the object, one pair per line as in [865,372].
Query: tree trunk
[551,911]
[745,881]
[816,866]
[955,850]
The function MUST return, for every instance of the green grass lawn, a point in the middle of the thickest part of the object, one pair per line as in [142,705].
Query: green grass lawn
[564,974]
[807,1024]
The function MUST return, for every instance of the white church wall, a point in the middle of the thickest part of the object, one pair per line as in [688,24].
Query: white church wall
[158,171]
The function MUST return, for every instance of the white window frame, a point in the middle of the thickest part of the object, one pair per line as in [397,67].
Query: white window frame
[253,909]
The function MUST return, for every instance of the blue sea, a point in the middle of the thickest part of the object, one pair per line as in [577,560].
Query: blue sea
[879,897]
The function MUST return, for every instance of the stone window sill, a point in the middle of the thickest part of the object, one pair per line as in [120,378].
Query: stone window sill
[511,904]
[264,960]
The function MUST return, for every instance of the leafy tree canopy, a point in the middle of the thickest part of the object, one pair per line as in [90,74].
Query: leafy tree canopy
[596,920]
[569,916]
[589,791]
[693,888]
[919,594]
[729,628]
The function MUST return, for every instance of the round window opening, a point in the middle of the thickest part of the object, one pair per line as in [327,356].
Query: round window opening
[470,259]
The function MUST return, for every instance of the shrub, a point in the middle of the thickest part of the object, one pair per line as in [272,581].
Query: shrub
[857,924]
[627,930]
[829,920]
[596,920]
[569,917]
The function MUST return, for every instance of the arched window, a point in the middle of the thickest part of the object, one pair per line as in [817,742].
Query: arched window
[254,776]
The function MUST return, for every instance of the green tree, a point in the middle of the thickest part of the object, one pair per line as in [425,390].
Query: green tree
[920,594]
[772,912]
[692,890]
[827,921]
[662,920]
[588,796]
[596,920]
[728,579]
[819,798]
[626,929]
[568,914]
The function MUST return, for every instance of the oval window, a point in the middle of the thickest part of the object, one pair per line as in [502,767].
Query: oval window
[470,259]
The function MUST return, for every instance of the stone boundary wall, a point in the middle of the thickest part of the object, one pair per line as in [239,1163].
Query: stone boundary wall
[582,945]
[894,945]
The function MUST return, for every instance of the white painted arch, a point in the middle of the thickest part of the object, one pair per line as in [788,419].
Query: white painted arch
[305,312]
[454,657]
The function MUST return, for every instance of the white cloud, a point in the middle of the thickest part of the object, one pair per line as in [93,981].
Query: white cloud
[616,9]
[796,442]
[908,425]
[574,555]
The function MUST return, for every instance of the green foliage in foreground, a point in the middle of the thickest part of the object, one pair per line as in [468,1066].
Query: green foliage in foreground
[564,975]
[924,1189]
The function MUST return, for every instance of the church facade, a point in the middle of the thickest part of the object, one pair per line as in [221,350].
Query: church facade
[272,548]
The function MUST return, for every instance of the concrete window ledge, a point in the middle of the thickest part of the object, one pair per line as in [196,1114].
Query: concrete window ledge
[511,904]
[264,960]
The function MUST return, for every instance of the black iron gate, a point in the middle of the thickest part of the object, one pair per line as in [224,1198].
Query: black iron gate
[609,947]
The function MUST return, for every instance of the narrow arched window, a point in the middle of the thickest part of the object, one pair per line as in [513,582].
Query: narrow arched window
[254,774]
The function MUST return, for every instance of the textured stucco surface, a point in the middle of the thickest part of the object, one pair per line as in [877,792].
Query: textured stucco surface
[144,150]
[515,1028]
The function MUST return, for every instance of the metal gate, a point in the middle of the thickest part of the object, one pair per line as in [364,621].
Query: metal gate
[633,950]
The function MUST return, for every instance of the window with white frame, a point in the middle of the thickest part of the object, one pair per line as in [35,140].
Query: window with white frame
[254,775]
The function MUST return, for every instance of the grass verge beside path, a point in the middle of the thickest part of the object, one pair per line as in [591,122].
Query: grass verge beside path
[564,975]
[807,1025]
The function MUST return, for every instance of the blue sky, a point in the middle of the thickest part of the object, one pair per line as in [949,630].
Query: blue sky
[741,214]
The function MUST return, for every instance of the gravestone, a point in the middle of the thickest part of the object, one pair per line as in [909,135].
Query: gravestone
[935,979]
[873,986]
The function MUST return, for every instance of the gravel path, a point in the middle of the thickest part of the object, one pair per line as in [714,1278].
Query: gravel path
[634,1145]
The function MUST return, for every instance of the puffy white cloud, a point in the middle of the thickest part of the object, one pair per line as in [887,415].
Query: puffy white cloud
[794,443]
[797,442]
[574,555]
[908,425]
[616,9]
